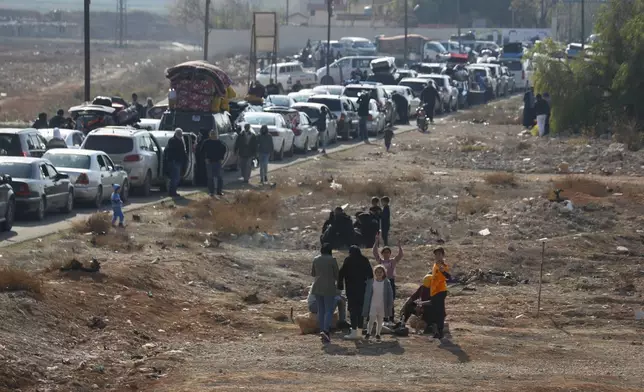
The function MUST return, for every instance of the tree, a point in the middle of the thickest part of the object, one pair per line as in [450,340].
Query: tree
[604,89]
[226,14]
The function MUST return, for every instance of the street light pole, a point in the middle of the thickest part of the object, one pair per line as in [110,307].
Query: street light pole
[87,62]
[458,23]
[583,21]
[206,26]
[406,28]
[329,9]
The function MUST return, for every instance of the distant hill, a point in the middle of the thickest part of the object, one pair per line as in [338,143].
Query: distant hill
[158,6]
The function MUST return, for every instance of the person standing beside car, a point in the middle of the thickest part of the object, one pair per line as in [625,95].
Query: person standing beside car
[175,157]
[214,151]
[363,112]
[265,148]
[56,141]
[321,124]
[246,150]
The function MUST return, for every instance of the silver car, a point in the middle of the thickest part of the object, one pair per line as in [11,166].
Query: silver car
[91,172]
[72,137]
[136,150]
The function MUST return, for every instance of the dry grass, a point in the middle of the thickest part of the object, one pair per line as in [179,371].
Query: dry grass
[369,188]
[117,241]
[100,222]
[248,212]
[522,146]
[578,141]
[501,179]
[14,279]
[573,184]
[474,206]
[630,134]
[498,113]
[414,175]
[473,148]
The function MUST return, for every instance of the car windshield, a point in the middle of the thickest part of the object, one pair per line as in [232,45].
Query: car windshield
[393,89]
[257,119]
[332,103]
[363,44]
[300,97]
[16,169]
[313,113]
[69,160]
[415,86]
[10,145]
[279,100]
[109,144]
[512,65]
[333,90]
[479,72]
[267,70]
[514,47]
[354,92]
[427,69]
[337,45]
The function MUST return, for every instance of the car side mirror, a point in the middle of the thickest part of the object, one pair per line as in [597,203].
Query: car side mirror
[61,176]
[118,168]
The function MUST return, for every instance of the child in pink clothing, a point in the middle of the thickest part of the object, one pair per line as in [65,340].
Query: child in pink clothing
[384,258]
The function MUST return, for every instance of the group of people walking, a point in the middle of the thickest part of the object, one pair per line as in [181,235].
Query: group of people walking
[340,231]
[536,109]
[371,292]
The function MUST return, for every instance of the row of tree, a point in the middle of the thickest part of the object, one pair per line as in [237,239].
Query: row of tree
[602,91]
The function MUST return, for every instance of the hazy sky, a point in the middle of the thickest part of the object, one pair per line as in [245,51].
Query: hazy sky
[98,5]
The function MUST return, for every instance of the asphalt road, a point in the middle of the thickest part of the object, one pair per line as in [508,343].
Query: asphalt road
[25,230]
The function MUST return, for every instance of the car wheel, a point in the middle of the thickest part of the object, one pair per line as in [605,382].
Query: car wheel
[42,207]
[280,156]
[125,191]
[147,183]
[98,199]
[69,203]
[9,216]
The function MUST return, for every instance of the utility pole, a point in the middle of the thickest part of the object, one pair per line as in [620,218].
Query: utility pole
[406,28]
[287,10]
[206,27]
[329,10]
[87,62]
[458,23]
[121,25]
[583,21]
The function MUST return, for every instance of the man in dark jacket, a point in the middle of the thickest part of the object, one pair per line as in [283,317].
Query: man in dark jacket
[321,125]
[41,122]
[363,112]
[366,227]
[214,151]
[428,98]
[140,109]
[56,141]
[402,107]
[338,230]
[246,150]
[58,120]
[265,148]
[355,272]
[175,158]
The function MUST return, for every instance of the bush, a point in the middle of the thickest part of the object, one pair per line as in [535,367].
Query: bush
[501,179]
[14,279]
[100,222]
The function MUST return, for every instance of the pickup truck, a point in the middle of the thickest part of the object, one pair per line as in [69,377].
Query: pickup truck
[286,76]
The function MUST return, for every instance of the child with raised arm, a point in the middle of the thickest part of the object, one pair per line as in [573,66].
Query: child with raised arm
[384,258]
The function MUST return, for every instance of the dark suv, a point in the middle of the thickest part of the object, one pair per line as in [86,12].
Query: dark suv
[7,203]
[27,142]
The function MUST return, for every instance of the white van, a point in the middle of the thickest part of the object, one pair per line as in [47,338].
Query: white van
[517,69]
[357,46]
[435,51]
[341,69]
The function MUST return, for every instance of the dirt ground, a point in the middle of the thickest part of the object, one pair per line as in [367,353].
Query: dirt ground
[47,75]
[198,295]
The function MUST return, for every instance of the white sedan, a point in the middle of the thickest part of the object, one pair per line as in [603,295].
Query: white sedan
[377,120]
[92,173]
[72,138]
[283,136]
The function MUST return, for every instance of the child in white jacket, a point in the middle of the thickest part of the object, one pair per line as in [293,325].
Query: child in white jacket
[378,301]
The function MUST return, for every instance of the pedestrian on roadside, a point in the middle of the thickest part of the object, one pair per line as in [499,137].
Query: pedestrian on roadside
[528,109]
[389,135]
[438,292]
[56,141]
[378,301]
[246,150]
[265,148]
[140,109]
[363,112]
[149,105]
[58,120]
[384,258]
[325,273]
[176,158]
[117,205]
[41,122]
[546,97]
[322,130]
[428,98]
[541,110]
[214,151]
[354,274]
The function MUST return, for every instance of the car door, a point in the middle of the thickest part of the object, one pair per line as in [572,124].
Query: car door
[331,126]
[117,176]
[52,185]
[106,172]
[148,153]
[306,127]
[191,141]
